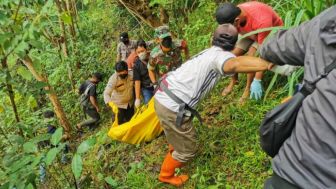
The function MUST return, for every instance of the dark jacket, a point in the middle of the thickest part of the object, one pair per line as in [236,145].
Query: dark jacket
[308,157]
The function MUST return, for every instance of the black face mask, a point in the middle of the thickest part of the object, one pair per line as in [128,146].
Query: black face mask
[125,41]
[123,76]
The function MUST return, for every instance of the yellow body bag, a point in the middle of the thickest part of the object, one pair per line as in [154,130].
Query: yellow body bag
[143,127]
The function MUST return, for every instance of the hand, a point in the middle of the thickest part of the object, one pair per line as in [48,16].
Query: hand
[256,90]
[137,103]
[113,107]
[270,66]
[97,109]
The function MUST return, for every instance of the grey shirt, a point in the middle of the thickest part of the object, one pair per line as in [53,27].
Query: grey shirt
[308,157]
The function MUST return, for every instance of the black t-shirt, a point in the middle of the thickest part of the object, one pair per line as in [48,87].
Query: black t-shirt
[140,73]
[92,90]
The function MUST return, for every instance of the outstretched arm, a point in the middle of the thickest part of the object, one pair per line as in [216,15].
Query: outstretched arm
[245,64]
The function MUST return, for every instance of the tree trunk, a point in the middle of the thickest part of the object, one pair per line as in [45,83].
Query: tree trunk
[71,10]
[51,94]
[11,93]
[63,40]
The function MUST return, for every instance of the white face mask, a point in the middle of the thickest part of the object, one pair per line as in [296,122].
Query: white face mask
[143,56]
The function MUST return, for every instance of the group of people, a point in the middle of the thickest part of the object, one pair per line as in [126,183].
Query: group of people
[306,159]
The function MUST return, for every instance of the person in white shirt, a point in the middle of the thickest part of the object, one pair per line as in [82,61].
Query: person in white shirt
[181,90]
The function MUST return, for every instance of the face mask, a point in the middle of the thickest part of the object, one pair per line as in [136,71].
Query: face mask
[125,41]
[143,56]
[123,76]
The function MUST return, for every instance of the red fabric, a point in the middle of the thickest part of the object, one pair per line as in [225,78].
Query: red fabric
[184,44]
[259,15]
[131,59]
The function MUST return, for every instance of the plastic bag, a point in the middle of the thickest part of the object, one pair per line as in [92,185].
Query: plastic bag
[143,127]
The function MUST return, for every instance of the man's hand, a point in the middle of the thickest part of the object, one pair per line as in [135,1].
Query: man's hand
[137,103]
[97,109]
[256,90]
[270,66]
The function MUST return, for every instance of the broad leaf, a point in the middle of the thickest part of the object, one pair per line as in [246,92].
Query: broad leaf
[41,137]
[20,50]
[51,155]
[77,165]
[111,181]
[57,136]
[36,44]
[29,147]
[30,186]
[85,146]
[17,139]
[66,18]
[5,37]
[23,72]
[32,103]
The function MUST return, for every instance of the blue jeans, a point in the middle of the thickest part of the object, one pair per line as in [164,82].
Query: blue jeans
[147,93]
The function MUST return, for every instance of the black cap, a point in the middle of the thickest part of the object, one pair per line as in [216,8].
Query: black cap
[225,36]
[123,36]
[226,13]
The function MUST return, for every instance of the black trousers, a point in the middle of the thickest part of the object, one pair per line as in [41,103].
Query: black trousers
[93,115]
[124,115]
[276,182]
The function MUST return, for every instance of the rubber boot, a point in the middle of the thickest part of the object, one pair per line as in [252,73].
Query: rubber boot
[168,170]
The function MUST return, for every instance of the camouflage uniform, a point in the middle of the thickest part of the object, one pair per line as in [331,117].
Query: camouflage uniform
[163,63]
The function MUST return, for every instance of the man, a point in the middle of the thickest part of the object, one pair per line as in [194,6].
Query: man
[248,17]
[133,57]
[307,159]
[119,91]
[181,90]
[125,47]
[89,101]
[141,78]
[167,55]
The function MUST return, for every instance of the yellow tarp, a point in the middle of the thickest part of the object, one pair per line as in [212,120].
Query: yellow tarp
[143,127]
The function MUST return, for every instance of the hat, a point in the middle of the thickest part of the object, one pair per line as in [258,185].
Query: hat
[226,13]
[162,32]
[225,36]
[123,36]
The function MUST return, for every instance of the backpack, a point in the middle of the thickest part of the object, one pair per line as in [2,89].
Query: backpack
[279,123]
[84,99]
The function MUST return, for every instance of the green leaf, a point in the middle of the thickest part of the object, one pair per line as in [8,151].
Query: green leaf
[32,103]
[17,139]
[23,72]
[85,146]
[66,18]
[51,155]
[36,44]
[57,136]
[29,147]
[20,50]
[41,137]
[41,84]
[262,30]
[3,19]
[111,181]
[5,37]
[77,165]
[30,186]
